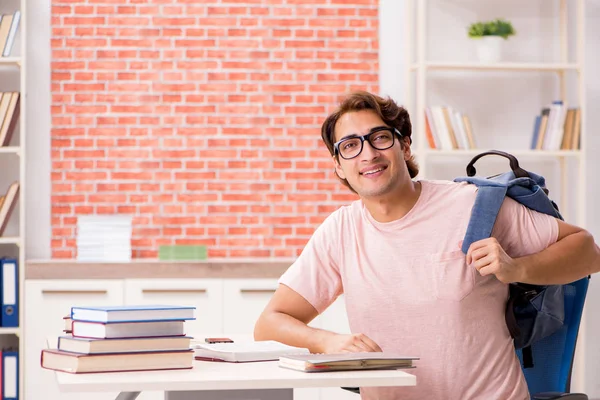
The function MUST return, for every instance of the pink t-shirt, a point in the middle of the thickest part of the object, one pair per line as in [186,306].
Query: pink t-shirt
[407,286]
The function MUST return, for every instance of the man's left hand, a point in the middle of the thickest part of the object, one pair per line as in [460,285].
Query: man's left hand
[488,257]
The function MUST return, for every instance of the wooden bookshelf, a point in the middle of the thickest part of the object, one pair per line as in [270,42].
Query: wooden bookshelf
[12,154]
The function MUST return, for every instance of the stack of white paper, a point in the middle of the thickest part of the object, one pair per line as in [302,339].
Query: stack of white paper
[104,238]
[267,350]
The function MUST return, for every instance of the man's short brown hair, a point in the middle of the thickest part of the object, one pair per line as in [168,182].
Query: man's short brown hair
[390,113]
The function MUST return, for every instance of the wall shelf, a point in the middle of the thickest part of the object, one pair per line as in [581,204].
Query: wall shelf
[533,67]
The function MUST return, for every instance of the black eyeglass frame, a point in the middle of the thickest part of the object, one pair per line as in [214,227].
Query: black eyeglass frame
[336,145]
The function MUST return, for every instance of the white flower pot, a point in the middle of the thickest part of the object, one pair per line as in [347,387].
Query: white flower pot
[489,49]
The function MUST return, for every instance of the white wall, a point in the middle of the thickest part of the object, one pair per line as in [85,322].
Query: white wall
[477,94]
[592,316]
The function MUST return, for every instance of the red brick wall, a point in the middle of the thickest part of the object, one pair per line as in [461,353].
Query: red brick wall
[202,119]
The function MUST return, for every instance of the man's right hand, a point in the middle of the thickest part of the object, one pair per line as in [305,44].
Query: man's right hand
[353,343]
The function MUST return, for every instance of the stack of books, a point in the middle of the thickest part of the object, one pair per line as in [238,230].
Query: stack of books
[557,127]
[104,238]
[448,129]
[122,338]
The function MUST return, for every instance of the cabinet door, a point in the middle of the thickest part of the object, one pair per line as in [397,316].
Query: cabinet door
[335,319]
[48,301]
[243,302]
[204,294]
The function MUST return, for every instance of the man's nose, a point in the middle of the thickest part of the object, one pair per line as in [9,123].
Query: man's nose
[369,152]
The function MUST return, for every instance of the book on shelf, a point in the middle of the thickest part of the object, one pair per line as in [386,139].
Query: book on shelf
[346,361]
[7,205]
[9,24]
[132,313]
[448,129]
[9,372]
[557,127]
[9,115]
[267,350]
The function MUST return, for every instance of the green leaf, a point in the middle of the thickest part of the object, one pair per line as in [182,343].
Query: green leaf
[498,27]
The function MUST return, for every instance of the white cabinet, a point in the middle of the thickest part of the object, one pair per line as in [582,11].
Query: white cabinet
[204,294]
[48,301]
[243,301]
[335,319]
[223,307]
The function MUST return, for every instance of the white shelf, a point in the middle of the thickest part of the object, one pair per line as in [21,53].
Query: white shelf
[10,60]
[516,153]
[566,39]
[446,66]
[14,78]
[10,331]
[10,150]
[10,240]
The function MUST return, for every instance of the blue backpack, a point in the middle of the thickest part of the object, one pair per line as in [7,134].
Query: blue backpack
[533,312]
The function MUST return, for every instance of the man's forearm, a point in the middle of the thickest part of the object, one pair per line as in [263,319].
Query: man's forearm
[288,330]
[565,261]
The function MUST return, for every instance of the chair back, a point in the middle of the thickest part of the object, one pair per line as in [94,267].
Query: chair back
[553,356]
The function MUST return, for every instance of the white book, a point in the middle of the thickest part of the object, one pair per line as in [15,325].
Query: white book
[132,313]
[442,129]
[12,34]
[266,350]
[127,329]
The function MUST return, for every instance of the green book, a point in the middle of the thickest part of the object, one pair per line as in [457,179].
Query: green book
[182,252]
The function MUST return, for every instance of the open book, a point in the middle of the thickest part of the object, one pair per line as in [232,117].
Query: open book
[345,361]
[267,350]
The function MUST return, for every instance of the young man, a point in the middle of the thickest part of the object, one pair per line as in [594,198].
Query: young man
[395,254]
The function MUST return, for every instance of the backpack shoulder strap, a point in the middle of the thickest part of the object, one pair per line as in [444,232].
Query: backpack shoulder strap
[485,210]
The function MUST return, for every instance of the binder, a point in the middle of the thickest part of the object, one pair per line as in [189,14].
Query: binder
[10,292]
[10,375]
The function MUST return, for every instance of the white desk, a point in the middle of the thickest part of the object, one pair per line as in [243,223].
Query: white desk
[231,381]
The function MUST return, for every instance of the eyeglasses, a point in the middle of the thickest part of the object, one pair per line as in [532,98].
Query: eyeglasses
[380,139]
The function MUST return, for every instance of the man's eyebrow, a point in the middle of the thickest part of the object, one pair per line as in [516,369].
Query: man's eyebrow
[353,135]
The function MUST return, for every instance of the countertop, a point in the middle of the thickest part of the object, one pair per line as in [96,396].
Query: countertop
[152,268]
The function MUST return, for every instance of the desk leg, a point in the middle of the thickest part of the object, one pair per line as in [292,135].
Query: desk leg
[260,394]
[127,396]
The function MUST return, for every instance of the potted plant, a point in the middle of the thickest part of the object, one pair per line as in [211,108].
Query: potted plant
[489,37]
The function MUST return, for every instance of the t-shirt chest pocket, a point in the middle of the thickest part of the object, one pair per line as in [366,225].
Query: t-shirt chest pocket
[452,278]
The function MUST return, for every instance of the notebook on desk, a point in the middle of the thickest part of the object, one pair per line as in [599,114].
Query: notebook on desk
[267,350]
[345,361]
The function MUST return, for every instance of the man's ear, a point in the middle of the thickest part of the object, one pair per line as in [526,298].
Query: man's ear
[406,148]
[338,168]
